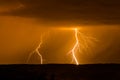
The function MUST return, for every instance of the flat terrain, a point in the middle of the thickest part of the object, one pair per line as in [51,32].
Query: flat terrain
[60,72]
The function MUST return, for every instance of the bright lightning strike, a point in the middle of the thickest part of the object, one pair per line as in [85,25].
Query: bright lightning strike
[80,44]
[75,47]
[37,51]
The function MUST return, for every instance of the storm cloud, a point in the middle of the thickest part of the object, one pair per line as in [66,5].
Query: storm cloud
[67,11]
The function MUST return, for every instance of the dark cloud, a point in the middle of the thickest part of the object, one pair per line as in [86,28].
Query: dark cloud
[67,11]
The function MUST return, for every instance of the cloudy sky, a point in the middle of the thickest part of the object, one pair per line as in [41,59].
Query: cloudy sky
[66,11]
[22,22]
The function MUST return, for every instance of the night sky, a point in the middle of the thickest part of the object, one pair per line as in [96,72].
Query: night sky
[22,22]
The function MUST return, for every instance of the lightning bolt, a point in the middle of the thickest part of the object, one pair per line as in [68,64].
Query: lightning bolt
[75,47]
[80,44]
[37,51]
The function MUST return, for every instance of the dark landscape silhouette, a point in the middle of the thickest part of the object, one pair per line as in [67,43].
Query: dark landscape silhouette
[60,72]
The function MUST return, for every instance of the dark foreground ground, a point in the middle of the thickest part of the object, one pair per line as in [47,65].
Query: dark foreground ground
[60,72]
